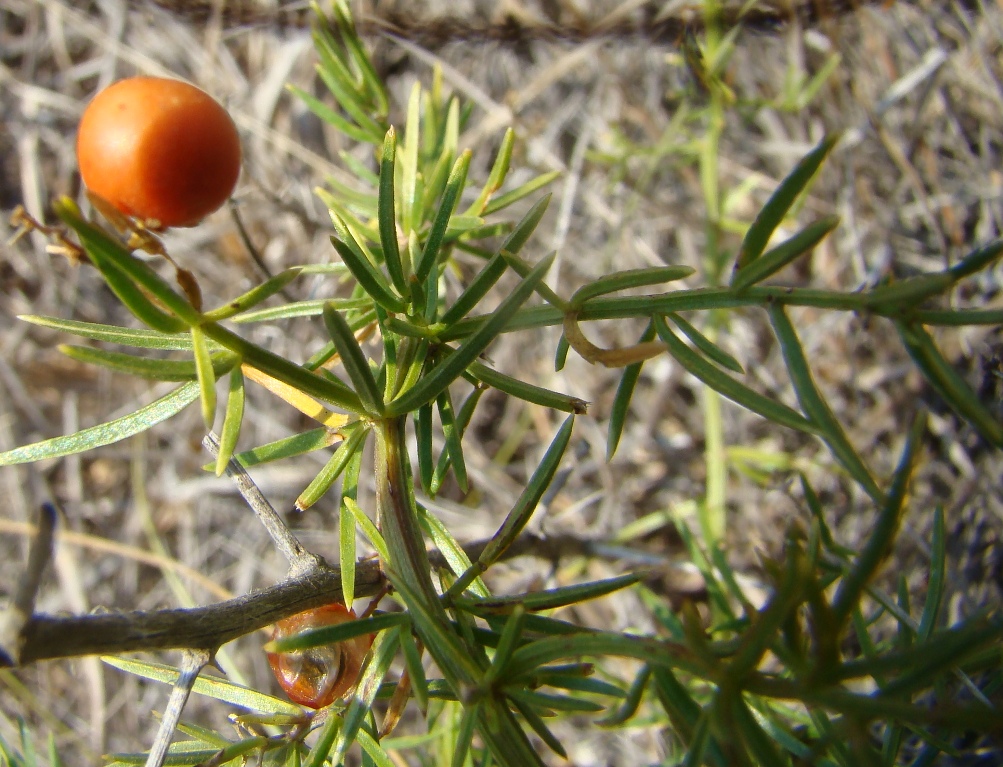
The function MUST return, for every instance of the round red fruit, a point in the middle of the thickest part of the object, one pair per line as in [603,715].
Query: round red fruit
[158,150]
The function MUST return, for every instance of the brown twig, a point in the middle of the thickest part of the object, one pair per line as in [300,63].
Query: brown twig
[47,636]
[208,627]
[300,560]
[14,619]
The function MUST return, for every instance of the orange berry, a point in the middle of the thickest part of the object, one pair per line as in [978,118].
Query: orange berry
[159,150]
[320,675]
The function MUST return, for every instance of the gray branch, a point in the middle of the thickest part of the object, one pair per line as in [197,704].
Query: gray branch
[207,628]
[201,628]
[14,619]
[300,560]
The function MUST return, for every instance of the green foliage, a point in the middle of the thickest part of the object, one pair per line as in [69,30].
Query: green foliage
[778,683]
[24,754]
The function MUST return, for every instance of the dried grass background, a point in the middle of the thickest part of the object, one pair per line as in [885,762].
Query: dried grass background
[919,92]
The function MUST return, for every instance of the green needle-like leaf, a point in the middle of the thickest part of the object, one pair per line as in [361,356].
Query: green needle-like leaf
[554,702]
[523,509]
[145,367]
[465,735]
[534,720]
[522,268]
[131,296]
[697,742]
[755,641]
[206,376]
[362,203]
[455,660]
[349,522]
[527,391]
[502,201]
[313,308]
[411,195]
[372,749]
[106,433]
[775,209]
[946,650]
[450,548]
[369,277]
[631,702]
[254,296]
[435,182]
[369,529]
[452,366]
[452,436]
[341,632]
[210,686]
[580,684]
[879,539]
[776,259]
[496,266]
[550,599]
[687,717]
[330,115]
[388,216]
[418,291]
[760,746]
[624,394]
[506,645]
[909,292]
[370,77]
[632,278]
[354,361]
[325,388]
[380,659]
[206,734]
[710,349]
[462,420]
[473,227]
[139,338]
[561,353]
[977,260]
[937,580]
[423,437]
[179,754]
[715,378]
[476,290]
[232,421]
[333,469]
[948,383]
[323,744]
[430,252]
[339,81]
[289,447]
[814,405]
[496,177]
[587,643]
[415,669]
[346,555]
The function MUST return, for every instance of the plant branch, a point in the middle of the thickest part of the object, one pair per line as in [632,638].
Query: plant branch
[209,627]
[191,666]
[300,560]
[15,617]
[47,637]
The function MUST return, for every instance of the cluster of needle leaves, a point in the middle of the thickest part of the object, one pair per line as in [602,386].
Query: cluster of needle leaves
[804,678]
